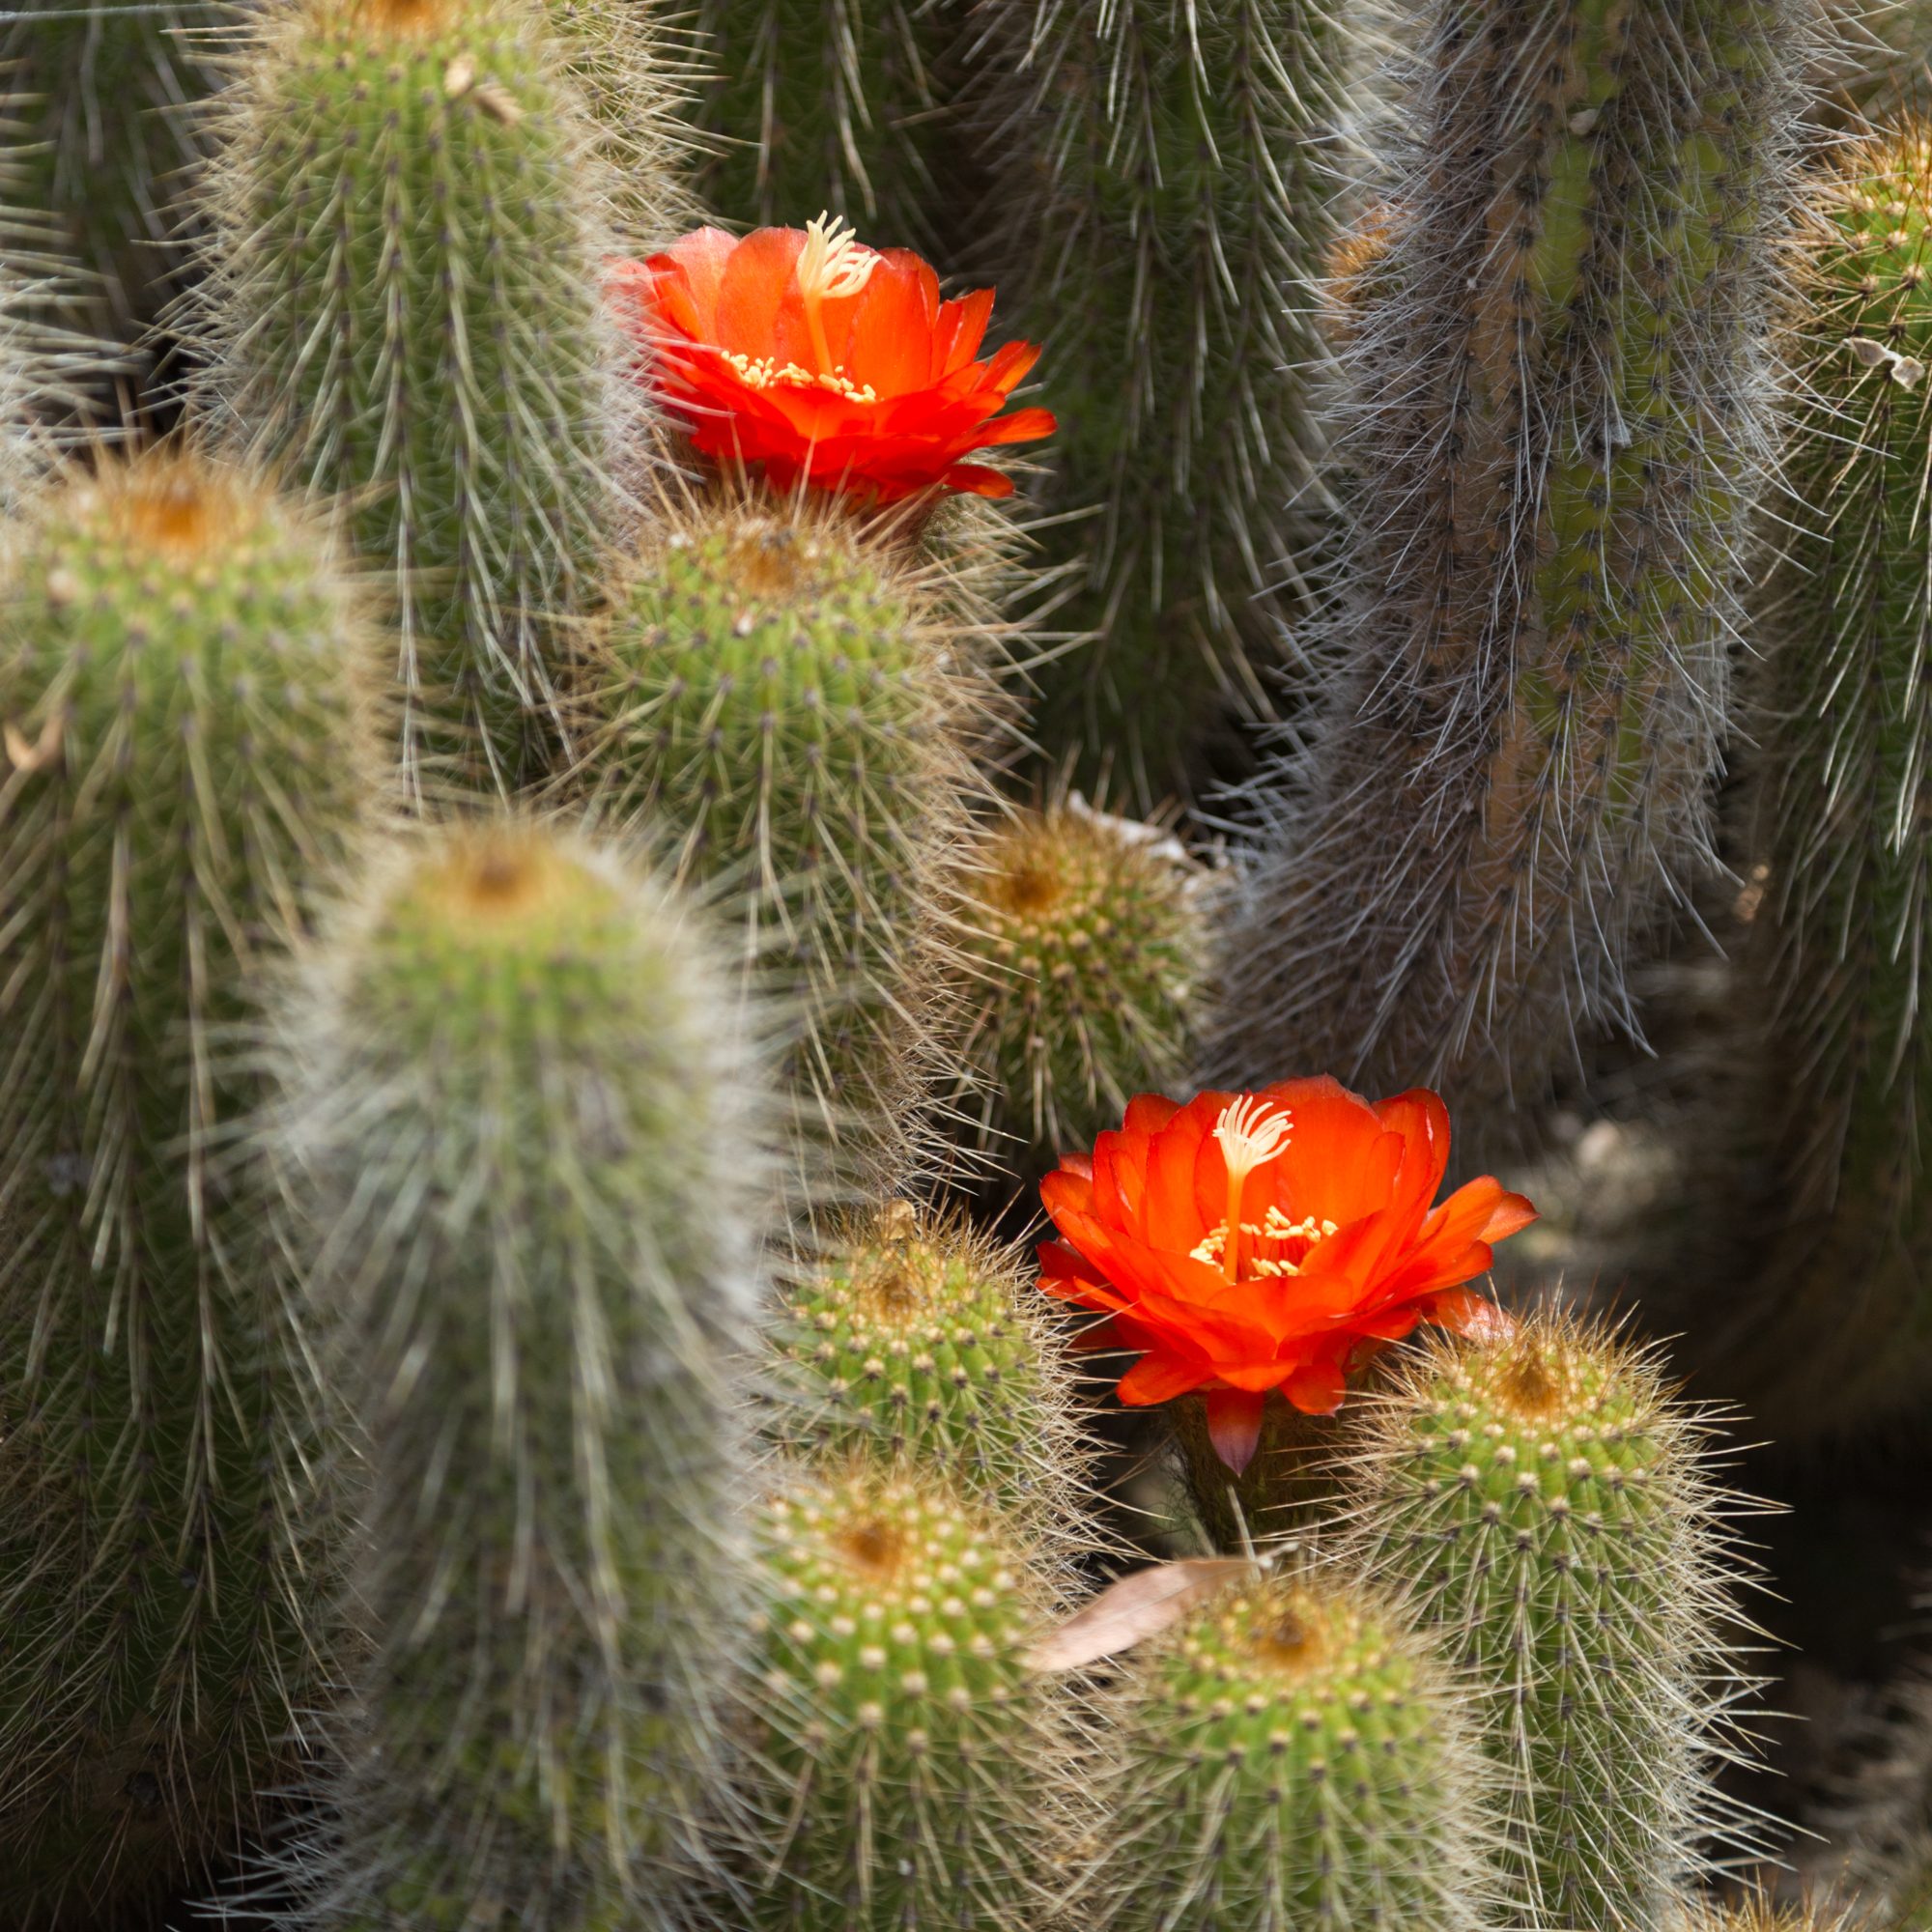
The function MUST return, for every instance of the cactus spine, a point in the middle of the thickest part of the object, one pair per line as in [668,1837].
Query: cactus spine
[894,1712]
[784,700]
[1085,935]
[1288,1757]
[404,308]
[1164,190]
[1562,406]
[921,1346]
[179,685]
[521,1115]
[1846,738]
[1551,1513]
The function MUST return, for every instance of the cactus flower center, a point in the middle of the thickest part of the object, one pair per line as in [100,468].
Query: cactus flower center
[1236,1256]
[823,361]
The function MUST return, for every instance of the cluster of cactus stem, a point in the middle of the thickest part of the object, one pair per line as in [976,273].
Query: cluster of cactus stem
[520,952]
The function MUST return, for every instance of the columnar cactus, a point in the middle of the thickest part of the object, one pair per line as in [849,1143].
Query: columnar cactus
[1846,737]
[1563,413]
[1083,936]
[892,1713]
[402,309]
[785,700]
[1163,187]
[918,1343]
[1291,1756]
[519,1112]
[1551,1511]
[834,106]
[103,101]
[181,683]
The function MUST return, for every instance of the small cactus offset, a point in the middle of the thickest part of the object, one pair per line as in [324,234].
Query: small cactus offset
[1563,407]
[402,308]
[782,698]
[1846,738]
[181,676]
[1291,1756]
[1551,1513]
[892,1713]
[1164,181]
[918,1345]
[1084,935]
[522,1122]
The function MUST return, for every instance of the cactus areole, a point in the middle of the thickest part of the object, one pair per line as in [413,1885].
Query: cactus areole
[1251,1242]
[826,361]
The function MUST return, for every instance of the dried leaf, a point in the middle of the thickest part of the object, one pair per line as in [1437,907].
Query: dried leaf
[1871,354]
[459,76]
[27,758]
[1137,1606]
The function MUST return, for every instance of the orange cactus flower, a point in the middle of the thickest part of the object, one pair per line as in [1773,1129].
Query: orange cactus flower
[1252,1241]
[825,361]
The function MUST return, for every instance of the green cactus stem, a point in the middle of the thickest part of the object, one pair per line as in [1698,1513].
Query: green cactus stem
[1163,192]
[892,1710]
[402,309]
[922,1345]
[785,700]
[103,105]
[180,691]
[520,1112]
[1085,935]
[1563,413]
[1847,837]
[834,106]
[1551,1511]
[1290,1756]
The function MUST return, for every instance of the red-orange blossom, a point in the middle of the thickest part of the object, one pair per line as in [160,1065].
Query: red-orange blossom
[822,361]
[1252,1241]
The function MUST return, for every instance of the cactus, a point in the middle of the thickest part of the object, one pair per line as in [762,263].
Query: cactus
[1291,1756]
[836,105]
[525,1125]
[402,305]
[103,105]
[1163,187]
[1563,407]
[179,685]
[893,1712]
[921,1345]
[1552,1514]
[1085,935]
[1888,1816]
[1845,739]
[782,698]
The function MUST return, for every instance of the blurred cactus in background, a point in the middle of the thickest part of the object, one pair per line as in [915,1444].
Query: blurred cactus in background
[548,970]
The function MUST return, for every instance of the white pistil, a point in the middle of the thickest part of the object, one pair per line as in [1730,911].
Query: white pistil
[1249,1135]
[832,263]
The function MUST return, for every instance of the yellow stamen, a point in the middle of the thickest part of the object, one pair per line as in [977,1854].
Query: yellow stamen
[1249,1135]
[832,263]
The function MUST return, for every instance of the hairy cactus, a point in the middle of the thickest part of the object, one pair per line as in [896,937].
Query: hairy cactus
[403,307]
[1551,1513]
[922,1345]
[1846,738]
[892,1710]
[1085,937]
[1291,1756]
[784,699]
[179,685]
[1163,190]
[520,1112]
[1563,413]
[829,104]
